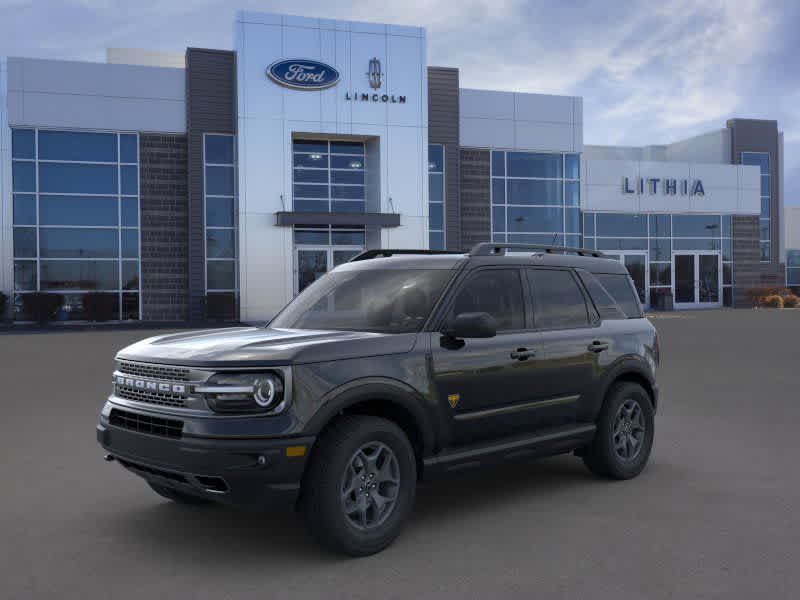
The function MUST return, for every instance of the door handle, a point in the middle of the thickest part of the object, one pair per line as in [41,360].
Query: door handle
[598,346]
[523,354]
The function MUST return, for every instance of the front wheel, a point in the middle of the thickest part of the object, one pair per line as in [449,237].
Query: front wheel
[360,485]
[624,437]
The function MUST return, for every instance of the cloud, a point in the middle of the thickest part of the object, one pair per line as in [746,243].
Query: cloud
[649,72]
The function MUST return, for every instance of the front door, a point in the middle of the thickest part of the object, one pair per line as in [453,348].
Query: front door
[636,263]
[697,279]
[311,263]
[486,386]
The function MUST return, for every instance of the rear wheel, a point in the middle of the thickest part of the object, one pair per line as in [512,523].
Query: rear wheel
[360,485]
[624,437]
[176,496]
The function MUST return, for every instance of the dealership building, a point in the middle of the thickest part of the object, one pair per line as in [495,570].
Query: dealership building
[218,184]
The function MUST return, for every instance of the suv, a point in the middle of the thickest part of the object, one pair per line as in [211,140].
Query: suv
[397,365]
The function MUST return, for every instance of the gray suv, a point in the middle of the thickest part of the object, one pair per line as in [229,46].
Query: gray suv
[395,366]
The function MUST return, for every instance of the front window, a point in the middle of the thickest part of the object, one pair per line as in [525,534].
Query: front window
[761,160]
[535,198]
[380,301]
[328,176]
[436,196]
[76,221]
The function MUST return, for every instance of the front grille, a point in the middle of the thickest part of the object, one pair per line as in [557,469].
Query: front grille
[160,398]
[154,371]
[171,428]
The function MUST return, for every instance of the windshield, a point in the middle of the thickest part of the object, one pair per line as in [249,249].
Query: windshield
[382,301]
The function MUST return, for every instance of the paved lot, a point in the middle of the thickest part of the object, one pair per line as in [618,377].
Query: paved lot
[715,515]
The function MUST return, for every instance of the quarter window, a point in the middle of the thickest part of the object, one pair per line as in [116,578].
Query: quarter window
[558,302]
[497,292]
[621,289]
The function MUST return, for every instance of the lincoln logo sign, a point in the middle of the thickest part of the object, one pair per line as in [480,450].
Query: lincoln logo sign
[302,74]
[667,186]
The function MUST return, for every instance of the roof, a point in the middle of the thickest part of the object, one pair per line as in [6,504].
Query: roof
[427,259]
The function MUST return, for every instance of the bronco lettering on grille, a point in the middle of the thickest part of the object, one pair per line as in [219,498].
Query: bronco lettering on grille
[152,386]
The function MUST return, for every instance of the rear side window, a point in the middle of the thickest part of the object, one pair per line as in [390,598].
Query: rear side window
[606,305]
[621,289]
[494,291]
[558,302]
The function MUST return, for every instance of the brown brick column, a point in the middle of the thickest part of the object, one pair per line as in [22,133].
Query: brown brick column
[164,227]
[476,209]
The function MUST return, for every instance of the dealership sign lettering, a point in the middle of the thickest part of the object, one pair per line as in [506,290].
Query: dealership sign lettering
[390,98]
[302,74]
[670,187]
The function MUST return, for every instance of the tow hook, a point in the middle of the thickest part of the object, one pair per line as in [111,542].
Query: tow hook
[108,457]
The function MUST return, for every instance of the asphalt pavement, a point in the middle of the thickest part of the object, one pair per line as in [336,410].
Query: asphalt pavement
[714,515]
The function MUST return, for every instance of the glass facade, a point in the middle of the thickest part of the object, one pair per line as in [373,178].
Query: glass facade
[76,219]
[535,198]
[658,236]
[436,197]
[793,269]
[328,176]
[219,158]
[761,160]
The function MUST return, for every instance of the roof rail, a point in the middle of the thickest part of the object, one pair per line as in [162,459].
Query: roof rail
[385,252]
[491,249]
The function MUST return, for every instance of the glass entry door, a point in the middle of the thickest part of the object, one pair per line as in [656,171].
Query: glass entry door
[636,263]
[312,263]
[697,279]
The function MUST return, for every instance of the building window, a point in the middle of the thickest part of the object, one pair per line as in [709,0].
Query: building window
[76,220]
[436,197]
[657,236]
[328,176]
[761,160]
[222,281]
[793,270]
[536,198]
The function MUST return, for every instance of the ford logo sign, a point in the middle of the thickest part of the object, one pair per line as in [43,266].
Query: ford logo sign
[303,74]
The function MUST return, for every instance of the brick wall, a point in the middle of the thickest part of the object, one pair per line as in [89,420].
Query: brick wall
[165,231]
[476,216]
[748,271]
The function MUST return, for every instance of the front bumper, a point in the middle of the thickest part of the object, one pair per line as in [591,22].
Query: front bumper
[252,472]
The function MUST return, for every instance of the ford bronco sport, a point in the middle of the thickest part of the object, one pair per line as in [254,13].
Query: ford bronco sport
[397,365]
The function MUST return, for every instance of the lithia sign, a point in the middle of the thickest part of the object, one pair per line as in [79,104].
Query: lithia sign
[306,74]
[667,186]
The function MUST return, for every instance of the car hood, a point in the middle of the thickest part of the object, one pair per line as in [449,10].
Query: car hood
[253,346]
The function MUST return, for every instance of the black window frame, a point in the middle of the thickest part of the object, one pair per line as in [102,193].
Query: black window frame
[592,316]
[450,294]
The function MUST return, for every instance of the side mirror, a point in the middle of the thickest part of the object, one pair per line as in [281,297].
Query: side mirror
[472,325]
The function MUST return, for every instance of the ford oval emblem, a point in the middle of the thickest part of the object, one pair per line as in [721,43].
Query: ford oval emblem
[303,74]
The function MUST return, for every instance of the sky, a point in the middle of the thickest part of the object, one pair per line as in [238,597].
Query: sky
[650,72]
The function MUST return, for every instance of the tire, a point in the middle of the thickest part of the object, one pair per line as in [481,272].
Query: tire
[626,416]
[342,510]
[175,495]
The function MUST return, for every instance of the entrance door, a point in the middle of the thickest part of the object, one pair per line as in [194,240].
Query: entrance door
[697,279]
[636,263]
[311,263]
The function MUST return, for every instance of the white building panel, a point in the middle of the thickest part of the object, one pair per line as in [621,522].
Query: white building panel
[725,190]
[545,136]
[485,104]
[55,93]
[270,115]
[520,121]
[486,133]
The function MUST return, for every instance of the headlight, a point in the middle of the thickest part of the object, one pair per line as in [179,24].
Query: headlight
[243,393]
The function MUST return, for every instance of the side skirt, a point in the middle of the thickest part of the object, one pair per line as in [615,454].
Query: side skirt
[555,441]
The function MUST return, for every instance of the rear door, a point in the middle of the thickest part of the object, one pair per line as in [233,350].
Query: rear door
[570,342]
